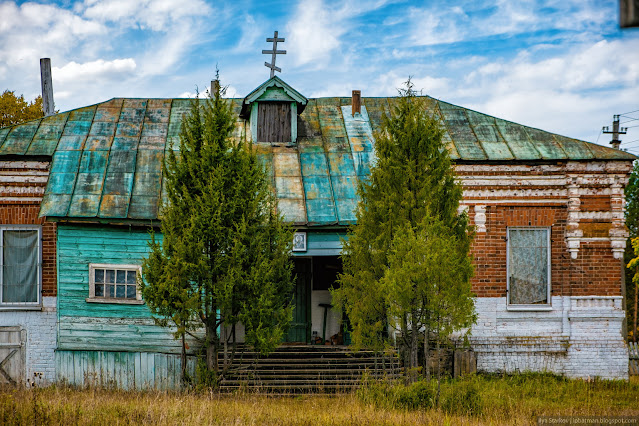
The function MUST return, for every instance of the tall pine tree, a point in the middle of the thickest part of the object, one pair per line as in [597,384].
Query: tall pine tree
[224,255]
[406,263]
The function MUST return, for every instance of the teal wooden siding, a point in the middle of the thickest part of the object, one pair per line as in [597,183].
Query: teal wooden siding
[323,244]
[123,370]
[103,326]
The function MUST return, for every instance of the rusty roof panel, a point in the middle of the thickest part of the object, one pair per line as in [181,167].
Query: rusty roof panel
[460,132]
[84,205]
[55,205]
[118,183]
[292,209]
[98,143]
[143,207]
[489,137]
[125,143]
[314,164]
[340,164]
[108,113]
[83,115]
[66,161]
[71,143]
[135,103]
[317,187]
[545,144]
[61,183]
[114,206]
[289,187]
[286,164]
[93,162]
[149,161]
[88,184]
[131,129]
[517,140]
[77,128]
[122,161]
[102,128]
[19,138]
[344,187]
[148,184]
[308,124]
[363,161]
[346,211]
[321,211]
[575,149]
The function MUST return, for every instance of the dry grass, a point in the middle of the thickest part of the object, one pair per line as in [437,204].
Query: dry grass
[510,400]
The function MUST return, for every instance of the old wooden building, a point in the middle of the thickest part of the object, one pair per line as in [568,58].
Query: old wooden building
[548,212]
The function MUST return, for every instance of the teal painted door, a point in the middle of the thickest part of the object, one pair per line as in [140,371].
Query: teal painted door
[300,329]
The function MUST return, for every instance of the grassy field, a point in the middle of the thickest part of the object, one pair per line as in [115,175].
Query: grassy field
[513,400]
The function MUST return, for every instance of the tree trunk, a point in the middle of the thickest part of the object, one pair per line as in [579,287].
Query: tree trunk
[183,360]
[212,345]
[426,355]
[413,349]
[439,371]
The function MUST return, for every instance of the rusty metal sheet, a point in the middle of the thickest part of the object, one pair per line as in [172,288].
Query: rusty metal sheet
[107,114]
[118,183]
[604,153]
[314,164]
[545,144]
[125,143]
[340,163]
[321,211]
[149,161]
[344,187]
[122,161]
[135,103]
[142,207]
[84,205]
[179,108]
[84,115]
[289,187]
[310,121]
[88,184]
[71,143]
[317,187]
[376,109]
[132,115]
[155,143]
[314,144]
[98,143]
[460,132]
[146,184]
[293,210]
[131,129]
[162,103]
[488,136]
[61,183]
[286,164]
[157,115]
[332,126]
[76,128]
[346,211]
[575,149]
[19,138]
[55,205]
[66,161]
[93,162]
[517,139]
[3,134]
[114,206]
[363,161]
[102,128]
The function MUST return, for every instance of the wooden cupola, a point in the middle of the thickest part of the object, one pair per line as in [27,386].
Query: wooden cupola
[272,111]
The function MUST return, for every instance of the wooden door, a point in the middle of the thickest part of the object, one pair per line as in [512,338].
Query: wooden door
[12,355]
[300,329]
[273,122]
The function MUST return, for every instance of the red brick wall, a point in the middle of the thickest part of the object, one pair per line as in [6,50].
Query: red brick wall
[22,187]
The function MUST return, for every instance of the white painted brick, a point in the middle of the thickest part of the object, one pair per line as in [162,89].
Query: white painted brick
[41,338]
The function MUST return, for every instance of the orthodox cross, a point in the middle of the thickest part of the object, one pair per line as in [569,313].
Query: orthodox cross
[273,52]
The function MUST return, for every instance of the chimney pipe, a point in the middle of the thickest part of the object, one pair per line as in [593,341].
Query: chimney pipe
[47,87]
[357,102]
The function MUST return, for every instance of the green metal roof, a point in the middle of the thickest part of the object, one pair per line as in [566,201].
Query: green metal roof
[106,158]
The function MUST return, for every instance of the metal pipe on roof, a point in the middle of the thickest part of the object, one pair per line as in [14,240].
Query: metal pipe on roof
[357,102]
[47,87]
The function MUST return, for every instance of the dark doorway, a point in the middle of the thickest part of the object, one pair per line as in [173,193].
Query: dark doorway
[273,122]
[300,329]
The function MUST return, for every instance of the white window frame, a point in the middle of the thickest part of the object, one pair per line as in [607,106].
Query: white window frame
[529,307]
[117,300]
[21,305]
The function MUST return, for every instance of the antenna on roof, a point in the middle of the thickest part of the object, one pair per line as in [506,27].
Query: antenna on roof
[273,52]
[616,131]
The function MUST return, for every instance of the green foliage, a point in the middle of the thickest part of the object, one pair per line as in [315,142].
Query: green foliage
[406,262]
[632,222]
[14,109]
[224,255]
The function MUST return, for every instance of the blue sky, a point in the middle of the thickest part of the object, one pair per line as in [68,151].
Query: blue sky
[559,65]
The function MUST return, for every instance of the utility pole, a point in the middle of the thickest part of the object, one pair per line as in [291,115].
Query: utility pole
[616,131]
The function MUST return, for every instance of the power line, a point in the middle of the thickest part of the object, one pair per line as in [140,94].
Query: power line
[637,110]
[633,119]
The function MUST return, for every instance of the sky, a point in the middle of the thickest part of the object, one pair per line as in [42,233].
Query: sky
[563,66]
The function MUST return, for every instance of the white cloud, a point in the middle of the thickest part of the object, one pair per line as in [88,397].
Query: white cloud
[99,70]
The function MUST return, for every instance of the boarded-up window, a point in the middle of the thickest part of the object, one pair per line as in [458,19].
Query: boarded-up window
[20,255]
[528,266]
[274,122]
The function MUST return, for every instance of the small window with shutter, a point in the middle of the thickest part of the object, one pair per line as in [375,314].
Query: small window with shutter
[274,122]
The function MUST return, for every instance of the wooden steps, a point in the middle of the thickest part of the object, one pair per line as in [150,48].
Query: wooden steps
[307,369]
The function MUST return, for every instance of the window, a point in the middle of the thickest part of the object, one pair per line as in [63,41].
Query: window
[21,265]
[114,284]
[528,267]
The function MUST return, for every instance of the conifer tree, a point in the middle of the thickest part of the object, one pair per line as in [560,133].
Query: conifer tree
[223,256]
[406,262]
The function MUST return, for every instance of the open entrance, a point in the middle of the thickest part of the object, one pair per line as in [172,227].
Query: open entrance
[314,319]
